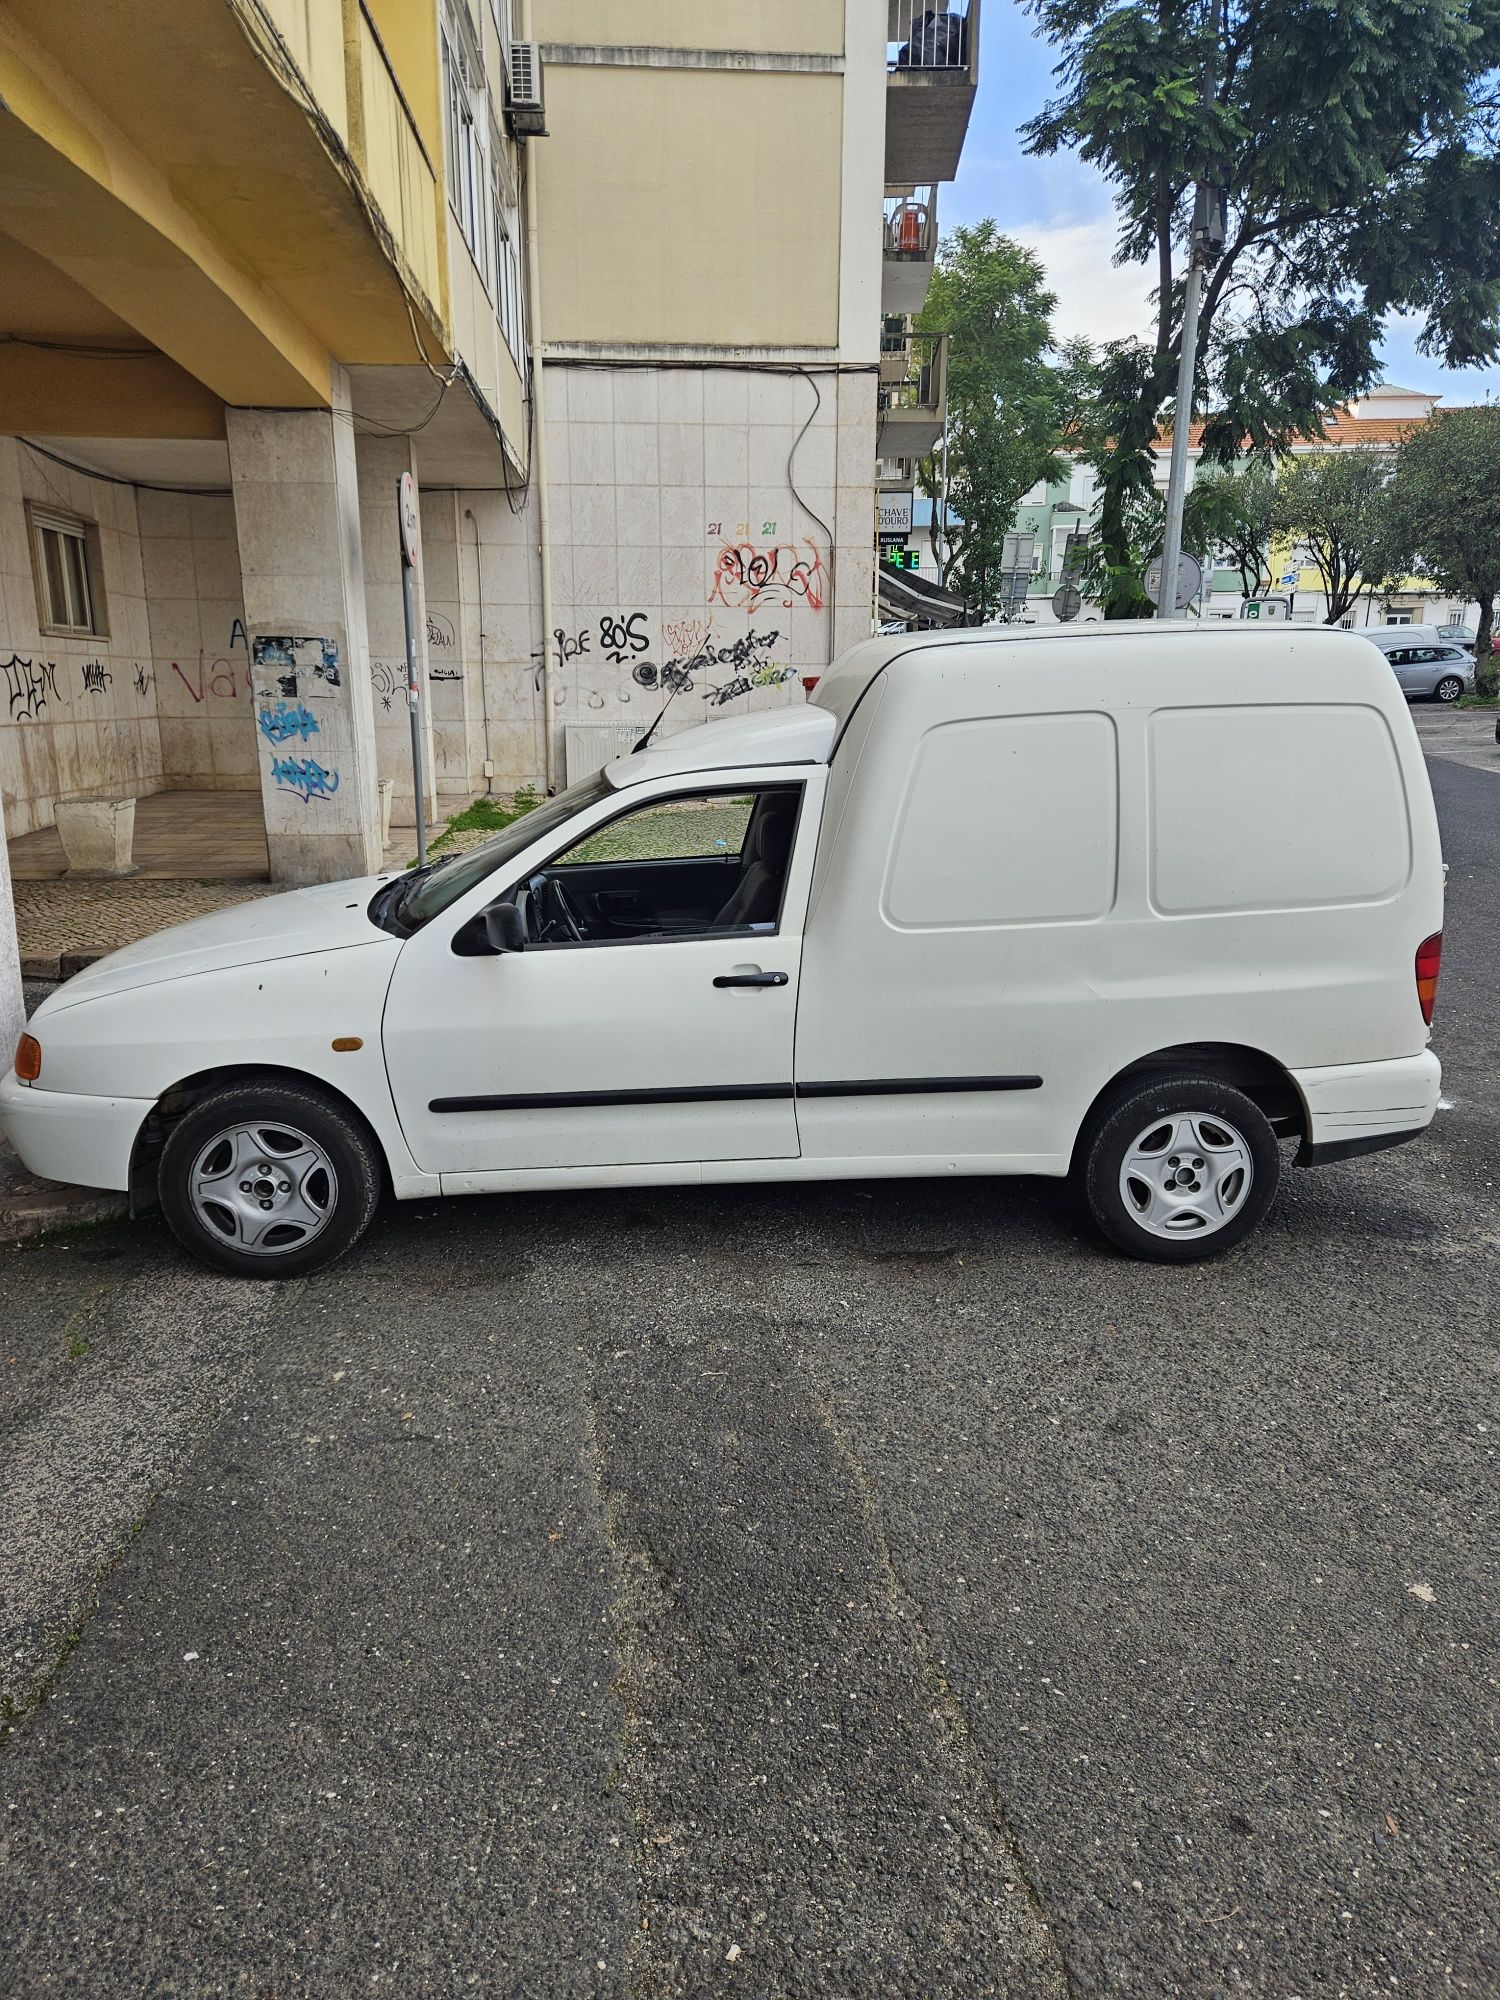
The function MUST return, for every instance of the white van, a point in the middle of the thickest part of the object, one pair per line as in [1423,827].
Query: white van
[1134,903]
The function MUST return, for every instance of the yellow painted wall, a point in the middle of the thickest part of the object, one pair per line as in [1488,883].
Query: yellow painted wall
[801,27]
[477,337]
[398,175]
[682,205]
[313,31]
[409,31]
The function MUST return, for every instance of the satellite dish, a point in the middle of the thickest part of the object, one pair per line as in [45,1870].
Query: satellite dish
[1067,603]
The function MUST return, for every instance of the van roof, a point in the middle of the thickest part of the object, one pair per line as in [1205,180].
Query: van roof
[806,735]
[841,687]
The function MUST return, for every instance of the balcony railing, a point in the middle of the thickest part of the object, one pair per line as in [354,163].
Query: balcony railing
[932,57]
[927,34]
[912,398]
[910,247]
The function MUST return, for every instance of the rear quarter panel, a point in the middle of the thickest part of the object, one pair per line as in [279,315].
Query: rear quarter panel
[1075,991]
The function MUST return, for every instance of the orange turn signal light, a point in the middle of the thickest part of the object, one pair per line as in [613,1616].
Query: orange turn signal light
[343,1044]
[28,1059]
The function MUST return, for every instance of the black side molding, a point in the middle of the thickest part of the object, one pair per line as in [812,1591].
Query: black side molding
[916,1086]
[898,1086]
[568,1100]
[1333,1150]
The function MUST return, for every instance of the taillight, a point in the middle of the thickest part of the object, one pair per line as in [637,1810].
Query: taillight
[1429,964]
[28,1059]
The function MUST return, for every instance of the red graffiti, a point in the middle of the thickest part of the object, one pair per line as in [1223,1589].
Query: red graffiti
[746,578]
[219,677]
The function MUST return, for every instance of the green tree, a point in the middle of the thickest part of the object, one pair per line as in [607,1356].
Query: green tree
[1006,401]
[1357,148]
[1334,504]
[1230,512]
[1444,503]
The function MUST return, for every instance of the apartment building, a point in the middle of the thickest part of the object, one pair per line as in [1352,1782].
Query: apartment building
[612,282]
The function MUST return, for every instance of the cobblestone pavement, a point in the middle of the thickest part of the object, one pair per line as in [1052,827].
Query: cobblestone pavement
[64,926]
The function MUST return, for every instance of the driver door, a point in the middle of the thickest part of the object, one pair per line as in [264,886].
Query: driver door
[660,1034]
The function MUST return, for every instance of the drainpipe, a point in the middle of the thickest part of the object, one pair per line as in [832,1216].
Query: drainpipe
[537,470]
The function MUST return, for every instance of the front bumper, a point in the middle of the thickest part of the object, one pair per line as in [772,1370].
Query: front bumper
[84,1140]
[1357,1108]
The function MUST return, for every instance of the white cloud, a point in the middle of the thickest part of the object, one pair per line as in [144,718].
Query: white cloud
[1096,298]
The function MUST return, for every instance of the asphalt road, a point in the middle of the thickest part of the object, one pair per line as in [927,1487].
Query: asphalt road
[776,1591]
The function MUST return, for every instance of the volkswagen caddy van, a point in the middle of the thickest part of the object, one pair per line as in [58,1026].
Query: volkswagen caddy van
[1136,904]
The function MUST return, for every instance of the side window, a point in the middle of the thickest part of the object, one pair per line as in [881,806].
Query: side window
[708,828]
[1402,657]
[695,864]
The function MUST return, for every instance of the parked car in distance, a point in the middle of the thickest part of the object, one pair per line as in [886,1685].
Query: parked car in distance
[1131,904]
[1458,635]
[1427,667]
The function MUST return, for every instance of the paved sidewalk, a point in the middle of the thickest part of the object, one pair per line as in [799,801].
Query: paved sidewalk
[64,926]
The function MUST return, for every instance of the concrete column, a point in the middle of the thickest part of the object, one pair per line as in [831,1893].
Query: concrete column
[381,462]
[296,506]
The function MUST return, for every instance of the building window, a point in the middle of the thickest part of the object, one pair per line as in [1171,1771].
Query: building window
[467,120]
[509,307]
[65,556]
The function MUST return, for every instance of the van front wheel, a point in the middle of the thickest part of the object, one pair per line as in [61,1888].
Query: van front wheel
[1180,1167]
[268,1178]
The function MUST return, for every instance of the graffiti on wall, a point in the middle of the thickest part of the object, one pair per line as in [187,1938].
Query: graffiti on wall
[289,672]
[145,680]
[279,724]
[694,655]
[388,680]
[220,678]
[749,576]
[30,685]
[305,777]
[96,677]
[440,634]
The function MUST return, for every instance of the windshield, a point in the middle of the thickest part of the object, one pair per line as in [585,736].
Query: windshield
[423,893]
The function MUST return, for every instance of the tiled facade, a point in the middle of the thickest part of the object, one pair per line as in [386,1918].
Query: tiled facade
[76,715]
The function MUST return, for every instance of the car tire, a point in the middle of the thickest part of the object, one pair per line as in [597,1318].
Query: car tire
[1449,689]
[269,1179]
[1179,1167]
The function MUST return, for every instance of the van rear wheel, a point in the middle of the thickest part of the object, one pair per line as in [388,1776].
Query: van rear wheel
[1180,1167]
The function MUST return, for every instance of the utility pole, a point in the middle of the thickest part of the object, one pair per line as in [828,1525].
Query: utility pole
[1207,242]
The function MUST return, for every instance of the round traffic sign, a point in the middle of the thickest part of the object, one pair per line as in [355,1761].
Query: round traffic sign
[411,527]
[1189,581]
[1067,603]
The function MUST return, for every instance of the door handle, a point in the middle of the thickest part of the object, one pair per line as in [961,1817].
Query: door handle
[752,979]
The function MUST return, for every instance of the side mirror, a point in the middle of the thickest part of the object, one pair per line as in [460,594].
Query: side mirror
[505,927]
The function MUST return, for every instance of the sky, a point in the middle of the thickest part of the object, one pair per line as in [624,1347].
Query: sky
[1062,210]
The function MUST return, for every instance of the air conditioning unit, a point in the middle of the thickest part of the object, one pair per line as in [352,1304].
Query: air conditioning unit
[527,114]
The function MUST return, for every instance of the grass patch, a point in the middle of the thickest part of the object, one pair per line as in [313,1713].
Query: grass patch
[1479,701]
[484,815]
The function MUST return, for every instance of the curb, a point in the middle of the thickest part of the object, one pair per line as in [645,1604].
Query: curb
[29,1207]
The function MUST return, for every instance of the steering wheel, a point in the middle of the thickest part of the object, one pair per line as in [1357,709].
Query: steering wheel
[562,911]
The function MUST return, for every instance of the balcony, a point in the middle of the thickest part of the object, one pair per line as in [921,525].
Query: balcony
[910,248]
[932,61]
[913,394]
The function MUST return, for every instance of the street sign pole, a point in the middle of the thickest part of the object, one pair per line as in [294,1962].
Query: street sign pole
[406,512]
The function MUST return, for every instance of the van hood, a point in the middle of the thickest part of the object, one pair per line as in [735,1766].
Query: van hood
[334,916]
